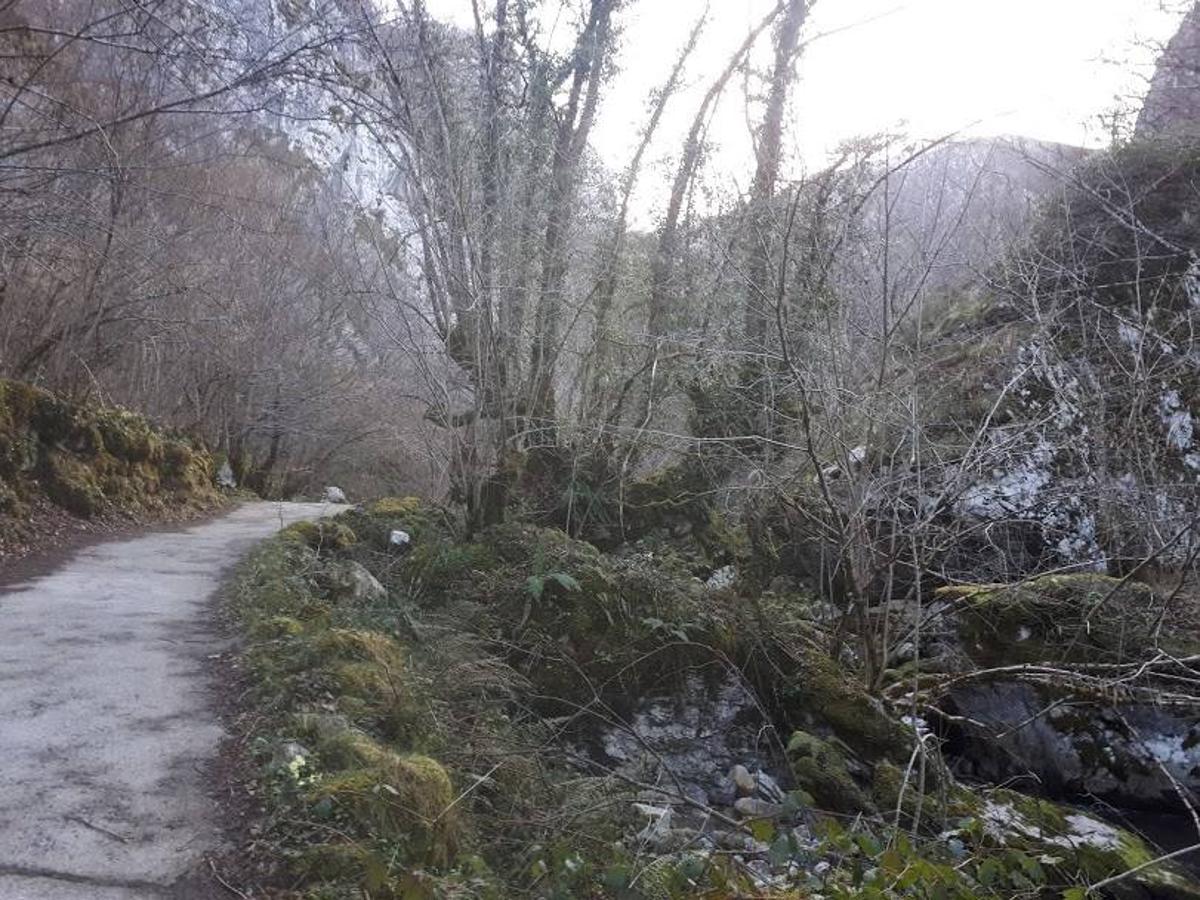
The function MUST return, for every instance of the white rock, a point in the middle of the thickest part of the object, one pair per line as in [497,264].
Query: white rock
[651,811]
[657,833]
[400,540]
[225,477]
[722,578]
[335,495]
[352,581]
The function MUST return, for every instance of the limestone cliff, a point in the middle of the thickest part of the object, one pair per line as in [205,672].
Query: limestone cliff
[1173,102]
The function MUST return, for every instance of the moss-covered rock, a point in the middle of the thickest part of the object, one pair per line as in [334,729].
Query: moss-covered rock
[94,460]
[1078,847]
[1033,711]
[327,536]
[1064,618]
[128,436]
[424,523]
[350,581]
[72,484]
[396,506]
[367,671]
[403,799]
[821,771]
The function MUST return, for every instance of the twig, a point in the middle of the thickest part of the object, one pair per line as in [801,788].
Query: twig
[225,884]
[683,798]
[1166,857]
[97,828]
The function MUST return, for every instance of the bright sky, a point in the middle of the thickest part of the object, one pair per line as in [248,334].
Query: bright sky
[1045,69]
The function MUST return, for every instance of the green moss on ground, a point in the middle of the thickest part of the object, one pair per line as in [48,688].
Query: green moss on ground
[368,801]
[403,800]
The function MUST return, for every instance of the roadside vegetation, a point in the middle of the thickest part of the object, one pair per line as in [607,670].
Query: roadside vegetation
[441,722]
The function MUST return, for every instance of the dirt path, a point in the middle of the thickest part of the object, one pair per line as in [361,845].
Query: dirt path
[107,725]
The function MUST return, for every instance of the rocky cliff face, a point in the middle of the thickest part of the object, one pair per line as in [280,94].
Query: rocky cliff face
[1174,99]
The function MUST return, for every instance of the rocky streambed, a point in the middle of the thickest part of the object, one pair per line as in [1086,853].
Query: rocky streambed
[707,775]
[710,774]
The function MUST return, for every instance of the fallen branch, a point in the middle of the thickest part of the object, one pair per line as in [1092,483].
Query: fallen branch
[1166,857]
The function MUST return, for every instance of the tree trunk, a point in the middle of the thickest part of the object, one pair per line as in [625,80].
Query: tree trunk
[569,145]
[760,287]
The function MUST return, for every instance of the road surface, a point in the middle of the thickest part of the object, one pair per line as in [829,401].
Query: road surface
[108,730]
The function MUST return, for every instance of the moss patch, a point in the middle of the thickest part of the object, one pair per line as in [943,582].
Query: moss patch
[404,800]
[1068,618]
[321,535]
[93,460]
[821,771]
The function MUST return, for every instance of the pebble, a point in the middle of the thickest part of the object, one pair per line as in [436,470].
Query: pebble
[746,783]
[768,788]
[753,808]
[737,841]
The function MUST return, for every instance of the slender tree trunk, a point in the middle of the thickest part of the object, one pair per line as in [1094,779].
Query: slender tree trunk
[668,233]
[569,145]
[760,281]
[598,363]
[662,268]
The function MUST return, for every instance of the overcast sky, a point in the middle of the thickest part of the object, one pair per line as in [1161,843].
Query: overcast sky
[1047,69]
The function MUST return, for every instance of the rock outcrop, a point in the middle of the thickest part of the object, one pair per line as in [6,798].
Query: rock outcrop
[1068,690]
[1173,103]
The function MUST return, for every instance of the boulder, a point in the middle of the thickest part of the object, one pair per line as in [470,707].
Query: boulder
[1131,755]
[1040,714]
[1072,618]
[351,581]
[335,495]
[324,535]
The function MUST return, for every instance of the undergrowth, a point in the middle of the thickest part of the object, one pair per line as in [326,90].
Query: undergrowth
[424,741]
